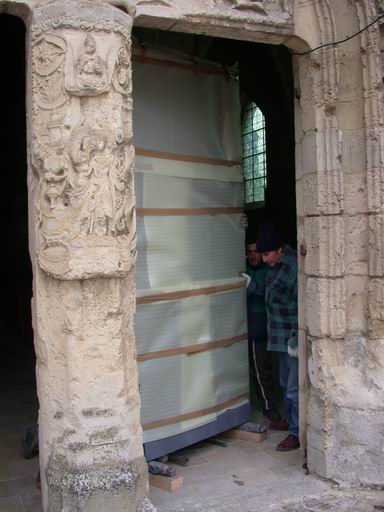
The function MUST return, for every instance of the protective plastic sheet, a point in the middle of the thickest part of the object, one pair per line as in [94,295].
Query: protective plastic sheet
[184,112]
[178,251]
[198,381]
[189,321]
[157,191]
[187,169]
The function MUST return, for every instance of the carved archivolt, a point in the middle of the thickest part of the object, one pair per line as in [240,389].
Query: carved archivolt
[276,10]
[82,151]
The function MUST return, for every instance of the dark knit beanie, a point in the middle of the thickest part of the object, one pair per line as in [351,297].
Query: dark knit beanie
[267,238]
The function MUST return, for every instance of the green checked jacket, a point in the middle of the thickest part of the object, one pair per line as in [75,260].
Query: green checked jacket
[280,293]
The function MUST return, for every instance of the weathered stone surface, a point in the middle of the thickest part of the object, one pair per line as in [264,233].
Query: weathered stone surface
[324,358]
[325,307]
[93,488]
[82,150]
[355,428]
[323,193]
[353,158]
[376,308]
[356,240]
[324,237]
[376,245]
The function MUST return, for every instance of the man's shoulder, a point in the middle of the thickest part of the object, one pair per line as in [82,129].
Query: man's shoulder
[289,260]
[290,255]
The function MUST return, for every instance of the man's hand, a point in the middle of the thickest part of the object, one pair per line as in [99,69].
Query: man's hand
[293,352]
[247,278]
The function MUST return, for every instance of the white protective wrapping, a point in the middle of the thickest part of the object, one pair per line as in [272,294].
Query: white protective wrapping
[195,115]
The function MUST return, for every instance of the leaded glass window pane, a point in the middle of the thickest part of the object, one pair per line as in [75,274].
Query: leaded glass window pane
[254,155]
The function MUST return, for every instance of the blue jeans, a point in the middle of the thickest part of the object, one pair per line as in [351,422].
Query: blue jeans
[289,381]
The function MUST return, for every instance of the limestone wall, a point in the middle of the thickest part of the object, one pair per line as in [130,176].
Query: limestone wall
[339,182]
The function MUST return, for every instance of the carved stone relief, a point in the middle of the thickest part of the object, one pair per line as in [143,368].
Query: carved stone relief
[49,55]
[264,7]
[279,11]
[82,152]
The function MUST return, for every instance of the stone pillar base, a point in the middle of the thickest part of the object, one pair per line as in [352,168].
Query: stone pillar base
[99,488]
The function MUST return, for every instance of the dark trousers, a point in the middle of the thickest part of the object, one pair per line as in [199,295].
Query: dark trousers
[261,372]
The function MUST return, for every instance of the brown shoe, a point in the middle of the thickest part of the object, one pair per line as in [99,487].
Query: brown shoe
[289,443]
[281,425]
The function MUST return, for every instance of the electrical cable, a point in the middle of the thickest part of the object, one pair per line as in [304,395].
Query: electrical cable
[335,43]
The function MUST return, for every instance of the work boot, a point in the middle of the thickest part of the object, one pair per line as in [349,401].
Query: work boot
[289,443]
[281,425]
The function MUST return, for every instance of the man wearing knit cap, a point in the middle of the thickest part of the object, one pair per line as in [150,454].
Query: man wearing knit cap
[280,293]
[260,358]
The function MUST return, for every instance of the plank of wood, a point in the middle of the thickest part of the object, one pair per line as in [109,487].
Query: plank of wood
[168,483]
[256,437]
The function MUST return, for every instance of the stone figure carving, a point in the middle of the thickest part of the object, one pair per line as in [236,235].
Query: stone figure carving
[85,191]
[91,70]
[122,71]
[48,55]
[53,171]
[93,160]
[51,213]
[83,155]
[89,75]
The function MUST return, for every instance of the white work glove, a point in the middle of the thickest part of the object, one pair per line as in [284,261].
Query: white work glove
[293,352]
[247,278]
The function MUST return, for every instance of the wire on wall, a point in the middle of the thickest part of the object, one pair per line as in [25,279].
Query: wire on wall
[335,43]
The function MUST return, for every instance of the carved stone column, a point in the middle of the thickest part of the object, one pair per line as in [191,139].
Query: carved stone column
[83,247]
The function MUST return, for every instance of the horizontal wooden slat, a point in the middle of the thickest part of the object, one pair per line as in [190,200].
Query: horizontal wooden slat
[196,68]
[176,212]
[192,349]
[194,414]
[185,158]
[181,294]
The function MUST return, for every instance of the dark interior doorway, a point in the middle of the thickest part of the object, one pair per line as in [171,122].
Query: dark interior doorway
[17,363]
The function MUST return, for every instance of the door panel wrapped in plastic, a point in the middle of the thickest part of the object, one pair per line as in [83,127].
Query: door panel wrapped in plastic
[191,305]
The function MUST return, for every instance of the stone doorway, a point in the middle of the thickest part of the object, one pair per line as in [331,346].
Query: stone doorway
[339,141]
[259,73]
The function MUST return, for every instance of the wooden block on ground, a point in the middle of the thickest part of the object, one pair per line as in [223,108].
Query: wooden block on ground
[168,483]
[256,437]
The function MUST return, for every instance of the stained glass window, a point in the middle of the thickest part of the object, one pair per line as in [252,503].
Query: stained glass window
[254,155]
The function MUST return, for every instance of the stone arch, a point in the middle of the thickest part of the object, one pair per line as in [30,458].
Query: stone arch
[19,9]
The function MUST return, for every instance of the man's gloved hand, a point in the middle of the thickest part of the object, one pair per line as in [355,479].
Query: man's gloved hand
[292,345]
[247,278]
[293,352]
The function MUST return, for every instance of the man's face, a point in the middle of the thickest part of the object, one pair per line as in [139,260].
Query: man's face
[254,257]
[271,258]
